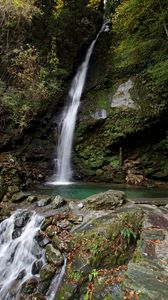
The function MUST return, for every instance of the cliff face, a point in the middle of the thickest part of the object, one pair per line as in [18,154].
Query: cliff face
[122,134]
[42,42]
[122,130]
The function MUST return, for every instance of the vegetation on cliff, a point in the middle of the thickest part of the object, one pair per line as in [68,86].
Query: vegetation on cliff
[134,71]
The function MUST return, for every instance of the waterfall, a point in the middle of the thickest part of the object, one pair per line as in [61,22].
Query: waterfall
[18,252]
[68,119]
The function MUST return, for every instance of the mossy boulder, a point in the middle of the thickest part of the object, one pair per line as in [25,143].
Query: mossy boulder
[53,255]
[46,274]
[107,200]
[19,197]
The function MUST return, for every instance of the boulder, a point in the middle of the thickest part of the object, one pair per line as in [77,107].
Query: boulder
[19,197]
[32,198]
[58,201]
[59,244]
[107,200]
[44,201]
[53,256]
[46,274]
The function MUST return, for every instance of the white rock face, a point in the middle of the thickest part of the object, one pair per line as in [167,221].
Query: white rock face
[101,114]
[122,96]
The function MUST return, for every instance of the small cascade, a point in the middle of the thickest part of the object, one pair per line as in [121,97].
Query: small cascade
[18,251]
[56,282]
[22,257]
[63,172]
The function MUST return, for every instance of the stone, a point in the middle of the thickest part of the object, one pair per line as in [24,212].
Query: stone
[72,205]
[3,188]
[22,219]
[107,200]
[16,233]
[44,201]
[58,201]
[65,224]
[32,199]
[42,239]
[75,219]
[80,205]
[46,274]
[36,296]
[36,267]
[46,223]
[5,212]
[29,286]
[19,197]
[52,230]
[58,244]
[53,256]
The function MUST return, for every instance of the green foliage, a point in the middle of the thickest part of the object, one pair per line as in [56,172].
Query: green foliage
[115,163]
[75,275]
[93,275]
[127,234]
[140,34]
[159,74]
[94,3]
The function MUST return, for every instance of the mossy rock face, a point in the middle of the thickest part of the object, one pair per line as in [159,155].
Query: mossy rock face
[19,197]
[133,115]
[46,274]
[3,187]
[107,200]
[53,255]
[102,248]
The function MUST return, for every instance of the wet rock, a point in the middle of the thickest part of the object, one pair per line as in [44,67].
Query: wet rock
[36,296]
[107,200]
[46,223]
[58,201]
[65,224]
[5,212]
[41,239]
[3,188]
[154,201]
[19,197]
[22,219]
[44,201]
[52,230]
[37,251]
[75,219]
[72,205]
[36,267]
[58,244]
[16,233]
[46,274]
[32,199]
[80,205]
[21,275]
[53,256]
[30,286]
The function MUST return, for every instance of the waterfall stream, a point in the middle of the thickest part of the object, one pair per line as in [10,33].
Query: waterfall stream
[68,120]
[18,252]
[21,257]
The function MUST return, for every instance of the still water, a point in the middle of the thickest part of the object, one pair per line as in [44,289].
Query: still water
[82,190]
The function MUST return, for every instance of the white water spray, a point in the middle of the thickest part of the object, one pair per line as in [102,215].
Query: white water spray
[17,255]
[68,120]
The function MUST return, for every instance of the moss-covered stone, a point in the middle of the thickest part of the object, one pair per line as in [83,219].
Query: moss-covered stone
[46,274]
[53,255]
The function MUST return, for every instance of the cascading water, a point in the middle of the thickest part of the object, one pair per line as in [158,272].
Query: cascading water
[21,256]
[68,120]
[18,252]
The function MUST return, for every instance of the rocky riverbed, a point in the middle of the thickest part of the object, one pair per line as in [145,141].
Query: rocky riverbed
[104,247]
